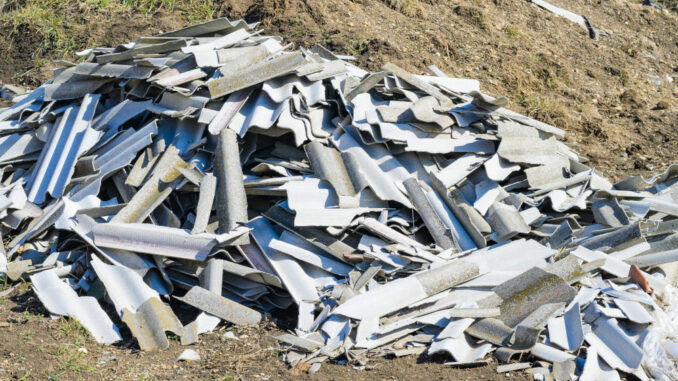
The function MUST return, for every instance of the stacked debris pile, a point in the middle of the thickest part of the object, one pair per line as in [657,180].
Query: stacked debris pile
[399,213]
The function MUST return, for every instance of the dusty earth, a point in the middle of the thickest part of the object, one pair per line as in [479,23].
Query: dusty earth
[33,346]
[613,97]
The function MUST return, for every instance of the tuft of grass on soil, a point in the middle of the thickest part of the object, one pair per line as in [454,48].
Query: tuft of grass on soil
[548,109]
[48,21]
[193,10]
[56,25]
[473,15]
[4,282]
[24,287]
[71,360]
[357,46]
[511,31]
[72,330]
[408,8]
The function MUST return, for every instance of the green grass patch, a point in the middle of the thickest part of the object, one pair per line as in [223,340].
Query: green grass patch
[59,23]
[511,31]
[357,46]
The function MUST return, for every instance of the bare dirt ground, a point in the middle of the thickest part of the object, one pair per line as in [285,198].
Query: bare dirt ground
[33,346]
[612,96]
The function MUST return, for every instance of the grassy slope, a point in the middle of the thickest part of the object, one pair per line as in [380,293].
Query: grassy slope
[600,92]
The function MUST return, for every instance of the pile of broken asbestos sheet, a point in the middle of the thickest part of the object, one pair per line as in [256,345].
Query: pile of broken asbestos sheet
[400,214]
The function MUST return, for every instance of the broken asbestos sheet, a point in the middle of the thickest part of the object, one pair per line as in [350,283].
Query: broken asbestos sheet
[396,213]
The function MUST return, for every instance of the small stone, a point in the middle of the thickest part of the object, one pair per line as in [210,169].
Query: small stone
[189,355]
[314,368]
[662,105]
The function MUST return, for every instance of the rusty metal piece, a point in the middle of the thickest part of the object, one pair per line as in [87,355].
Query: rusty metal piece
[636,276]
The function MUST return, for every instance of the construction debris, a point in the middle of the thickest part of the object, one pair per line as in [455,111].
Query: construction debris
[400,213]
[189,355]
[575,18]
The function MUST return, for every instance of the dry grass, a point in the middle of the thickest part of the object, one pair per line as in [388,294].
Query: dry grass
[411,8]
